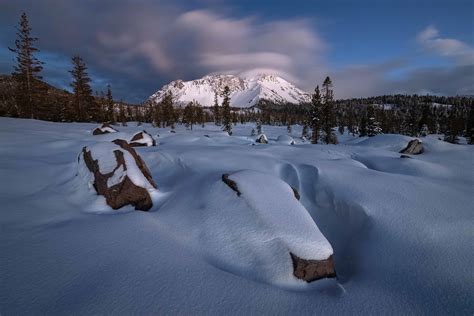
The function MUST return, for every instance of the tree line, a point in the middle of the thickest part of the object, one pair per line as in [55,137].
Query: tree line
[25,95]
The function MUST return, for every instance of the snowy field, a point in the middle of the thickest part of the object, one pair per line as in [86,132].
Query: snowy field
[402,230]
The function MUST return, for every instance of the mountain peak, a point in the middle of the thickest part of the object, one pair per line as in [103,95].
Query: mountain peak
[245,93]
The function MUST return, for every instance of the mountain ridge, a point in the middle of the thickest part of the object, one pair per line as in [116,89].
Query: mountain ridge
[245,92]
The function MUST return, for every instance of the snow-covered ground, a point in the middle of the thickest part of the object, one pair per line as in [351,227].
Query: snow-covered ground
[402,230]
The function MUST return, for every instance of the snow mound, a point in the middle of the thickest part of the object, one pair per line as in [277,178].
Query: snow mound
[251,232]
[285,139]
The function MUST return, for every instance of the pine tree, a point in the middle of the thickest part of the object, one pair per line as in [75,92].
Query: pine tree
[84,103]
[27,70]
[258,124]
[327,116]
[373,126]
[304,132]
[216,111]
[110,106]
[424,131]
[188,116]
[122,115]
[168,113]
[455,125]
[315,115]
[226,115]
[470,126]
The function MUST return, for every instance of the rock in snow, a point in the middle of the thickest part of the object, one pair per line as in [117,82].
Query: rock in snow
[142,139]
[414,147]
[105,128]
[294,240]
[312,270]
[262,139]
[118,173]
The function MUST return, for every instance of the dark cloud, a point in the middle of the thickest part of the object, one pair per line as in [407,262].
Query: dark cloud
[137,46]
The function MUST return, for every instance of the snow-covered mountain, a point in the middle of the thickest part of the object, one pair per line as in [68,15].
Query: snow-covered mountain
[245,93]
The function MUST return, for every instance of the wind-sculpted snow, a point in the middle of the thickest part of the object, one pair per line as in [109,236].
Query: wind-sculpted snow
[250,234]
[400,229]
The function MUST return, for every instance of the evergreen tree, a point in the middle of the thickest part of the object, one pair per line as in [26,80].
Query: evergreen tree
[258,124]
[363,126]
[216,111]
[327,116]
[315,115]
[470,126]
[373,126]
[226,115]
[110,106]
[122,115]
[26,71]
[84,103]
[168,113]
[189,115]
[424,131]
[304,132]
[455,125]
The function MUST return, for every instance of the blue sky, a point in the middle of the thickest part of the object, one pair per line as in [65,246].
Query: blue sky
[367,47]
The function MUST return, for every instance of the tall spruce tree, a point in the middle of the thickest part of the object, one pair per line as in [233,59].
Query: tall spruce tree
[168,113]
[315,115]
[26,71]
[84,104]
[226,115]
[373,126]
[327,116]
[470,126]
[189,117]
[110,106]
[216,111]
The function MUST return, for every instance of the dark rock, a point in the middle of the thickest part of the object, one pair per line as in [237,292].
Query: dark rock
[312,270]
[138,139]
[207,136]
[105,128]
[296,193]
[232,184]
[404,156]
[262,139]
[414,147]
[125,192]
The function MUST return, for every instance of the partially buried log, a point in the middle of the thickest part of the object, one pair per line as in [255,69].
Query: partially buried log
[312,270]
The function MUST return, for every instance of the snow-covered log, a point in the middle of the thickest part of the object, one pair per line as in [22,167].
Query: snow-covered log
[117,172]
